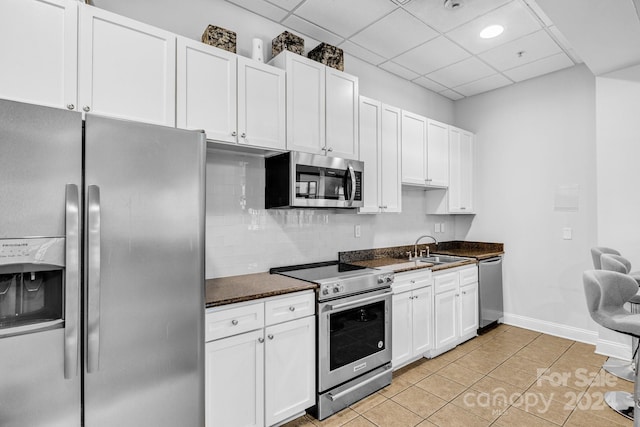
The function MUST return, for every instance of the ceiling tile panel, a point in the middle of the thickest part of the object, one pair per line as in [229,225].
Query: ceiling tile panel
[540,67]
[394,34]
[483,85]
[453,95]
[514,17]
[263,8]
[434,13]
[285,4]
[432,55]
[462,72]
[526,49]
[398,70]
[362,53]
[429,84]
[344,17]
[311,30]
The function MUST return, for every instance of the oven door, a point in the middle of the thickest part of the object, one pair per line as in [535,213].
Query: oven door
[354,336]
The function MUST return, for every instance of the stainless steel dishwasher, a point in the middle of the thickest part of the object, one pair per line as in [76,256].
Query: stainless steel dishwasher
[490,293]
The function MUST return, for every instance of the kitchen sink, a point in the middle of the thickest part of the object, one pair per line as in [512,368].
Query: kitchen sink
[441,259]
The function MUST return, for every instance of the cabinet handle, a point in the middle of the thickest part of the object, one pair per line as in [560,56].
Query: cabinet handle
[270,336]
[292,308]
[243,135]
[234,133]
[86,109]
[462,208]
[457,295]
[428,180]
[70,106]
[260,340]
[234,322]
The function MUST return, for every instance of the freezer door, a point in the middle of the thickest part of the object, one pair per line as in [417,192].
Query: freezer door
[144,275]
[40,165]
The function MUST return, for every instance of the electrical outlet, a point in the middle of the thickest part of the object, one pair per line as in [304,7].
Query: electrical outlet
[442,227]
[437,227]
[356,230]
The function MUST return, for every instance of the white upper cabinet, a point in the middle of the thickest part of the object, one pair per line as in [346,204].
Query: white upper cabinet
[206,90]
[414,149]
[380,151]
[322,107]
[437,154]
[234,99]
[341,114]
[39,45]
[127,69]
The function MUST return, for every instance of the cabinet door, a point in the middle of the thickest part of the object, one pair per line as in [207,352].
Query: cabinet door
[414,149]
[446,318]
[341,98]
[305,104]
[401,325]
[127,69]
[370,124]
[39,45]
[234,381]
[468,310]
[206,90]
[390,160]
[437,154]
[261,105]
[422,320]
[461,171]
[289,369]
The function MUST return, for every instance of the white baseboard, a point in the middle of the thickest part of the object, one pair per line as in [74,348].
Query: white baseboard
[613,349]
[556,329]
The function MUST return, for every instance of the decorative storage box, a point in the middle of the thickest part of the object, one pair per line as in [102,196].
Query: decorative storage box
[220,37]
[287,41]
[328,55]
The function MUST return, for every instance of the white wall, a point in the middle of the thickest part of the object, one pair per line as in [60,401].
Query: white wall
[533,137]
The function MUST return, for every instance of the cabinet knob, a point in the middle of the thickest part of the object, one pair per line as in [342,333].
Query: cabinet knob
[464,292]
[457,295]
[70,106]
[234,133]
[292,308]
[234,322]
[270,336]
[462,208]
[330,149]
[243,135]
[86,109]
[260,340]
[428,180]
[412,281]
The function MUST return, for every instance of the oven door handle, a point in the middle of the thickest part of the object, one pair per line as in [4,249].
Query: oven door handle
[337,396]
[360,301]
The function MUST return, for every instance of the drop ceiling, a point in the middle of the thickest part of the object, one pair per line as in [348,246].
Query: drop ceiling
[429,44]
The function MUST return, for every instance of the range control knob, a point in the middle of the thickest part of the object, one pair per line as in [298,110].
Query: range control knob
[325,291]
[389,279]
[336,289]
[380,280]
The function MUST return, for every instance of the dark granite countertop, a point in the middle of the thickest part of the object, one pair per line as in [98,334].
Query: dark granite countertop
[247,287]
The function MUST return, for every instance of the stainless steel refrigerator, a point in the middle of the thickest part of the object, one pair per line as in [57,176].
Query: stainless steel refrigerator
[101,271]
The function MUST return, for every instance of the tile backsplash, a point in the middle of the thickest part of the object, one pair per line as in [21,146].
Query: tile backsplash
[243,237]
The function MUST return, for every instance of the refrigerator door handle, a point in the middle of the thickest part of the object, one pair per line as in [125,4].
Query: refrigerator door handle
[72,281]
[93,278]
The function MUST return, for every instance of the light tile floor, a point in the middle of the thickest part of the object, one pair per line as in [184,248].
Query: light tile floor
[508,377]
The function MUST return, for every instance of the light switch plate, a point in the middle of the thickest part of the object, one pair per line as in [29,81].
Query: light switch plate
[356,231]
[567,233]
[442,227]
[437,227]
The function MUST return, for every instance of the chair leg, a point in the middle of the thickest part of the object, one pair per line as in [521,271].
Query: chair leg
[625,403]
[636,395]
[620,368]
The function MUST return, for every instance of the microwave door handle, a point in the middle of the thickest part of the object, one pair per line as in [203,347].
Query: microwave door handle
[72,281]
[93,278]
[352,174]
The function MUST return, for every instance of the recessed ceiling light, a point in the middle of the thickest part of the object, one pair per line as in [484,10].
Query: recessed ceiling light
[491,31]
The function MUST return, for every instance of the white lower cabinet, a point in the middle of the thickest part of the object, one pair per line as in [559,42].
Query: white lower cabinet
[412,323]
[264,376]
[455,307]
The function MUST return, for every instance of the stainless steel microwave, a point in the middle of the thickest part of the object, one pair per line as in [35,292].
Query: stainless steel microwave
[304,180]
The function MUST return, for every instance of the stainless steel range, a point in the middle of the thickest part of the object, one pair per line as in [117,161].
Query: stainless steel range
[353,330]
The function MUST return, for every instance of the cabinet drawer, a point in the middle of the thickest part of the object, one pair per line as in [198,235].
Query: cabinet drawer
[409,281]
[233,321]
[468,275]
[289,308]
[446,282]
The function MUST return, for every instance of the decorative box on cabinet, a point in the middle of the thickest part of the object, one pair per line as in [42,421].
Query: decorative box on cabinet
[127,69]
[458,197]
[247,344]
[234,99]
[380,150]
[39,45]
[322,107]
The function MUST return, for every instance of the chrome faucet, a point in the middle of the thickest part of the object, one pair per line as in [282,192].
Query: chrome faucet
[415,246]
